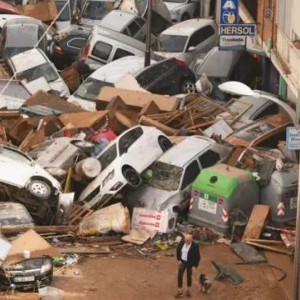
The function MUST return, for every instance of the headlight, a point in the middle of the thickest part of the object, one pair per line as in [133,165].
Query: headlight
[116,186]
[46,267]
[108,178]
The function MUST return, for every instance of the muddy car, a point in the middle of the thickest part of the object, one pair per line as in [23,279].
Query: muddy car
[19,170]
[28,274]
[122,161]
[167,182]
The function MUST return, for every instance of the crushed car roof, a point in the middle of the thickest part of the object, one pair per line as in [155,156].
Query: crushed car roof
[117,19]
[188,27]
[183,152]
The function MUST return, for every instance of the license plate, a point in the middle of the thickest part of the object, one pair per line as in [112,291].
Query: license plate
[23,279]
[293,203]
[207,205]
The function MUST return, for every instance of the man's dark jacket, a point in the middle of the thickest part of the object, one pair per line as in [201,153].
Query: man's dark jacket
[193,257]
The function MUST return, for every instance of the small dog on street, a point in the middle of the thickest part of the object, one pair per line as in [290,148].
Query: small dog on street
[205,284]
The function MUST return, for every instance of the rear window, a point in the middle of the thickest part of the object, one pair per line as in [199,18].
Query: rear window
[129,138]
[76,42]
[201,35]
[102,50]
[209,158]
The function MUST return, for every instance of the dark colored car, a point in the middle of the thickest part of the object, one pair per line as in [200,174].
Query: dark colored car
[28,274]
[65,49]
[168,77]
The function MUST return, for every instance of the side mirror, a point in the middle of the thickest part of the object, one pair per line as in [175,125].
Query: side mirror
[191,48]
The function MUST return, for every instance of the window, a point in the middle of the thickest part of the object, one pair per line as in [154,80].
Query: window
[191,172]
[141,22]
[129,138]
[273,140]
[77,43]
[133,28]
[273,109]
[121,53]
[102,50]
[209,158]
[126,32]
[108,156]
[200,36]
[14,155]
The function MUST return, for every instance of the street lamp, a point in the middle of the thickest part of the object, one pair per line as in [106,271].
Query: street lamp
[238,88]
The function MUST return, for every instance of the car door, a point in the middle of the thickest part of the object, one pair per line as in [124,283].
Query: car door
[190,173]
[141,34]
[120,52]
[15,167]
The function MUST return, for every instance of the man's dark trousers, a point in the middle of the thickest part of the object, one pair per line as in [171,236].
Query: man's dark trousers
[181,271]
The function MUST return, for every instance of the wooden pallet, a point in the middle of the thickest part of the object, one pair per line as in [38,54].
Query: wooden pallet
[78,213]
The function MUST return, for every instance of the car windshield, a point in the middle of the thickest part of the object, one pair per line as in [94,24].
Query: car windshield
[65,14]
[172,43]
[27,39]
[96,10]
[44,70]
[14,155]
[163,176]
[90,89]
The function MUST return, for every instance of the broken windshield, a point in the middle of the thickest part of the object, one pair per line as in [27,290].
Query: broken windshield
[163,176]
[45,70]
[90,89]
[172,43]
[254,132]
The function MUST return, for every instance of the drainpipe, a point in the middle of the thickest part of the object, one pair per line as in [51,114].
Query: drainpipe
[282,89]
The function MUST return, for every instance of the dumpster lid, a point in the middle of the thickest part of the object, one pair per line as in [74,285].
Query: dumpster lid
[221,180]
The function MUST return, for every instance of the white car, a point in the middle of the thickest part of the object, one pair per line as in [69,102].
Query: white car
[167,182]
[181,10]
[122,161]
[18,169]
[36,72]
[187,40]
[87,93]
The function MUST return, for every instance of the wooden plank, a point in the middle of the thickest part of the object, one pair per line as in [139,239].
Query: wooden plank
[256,222]
[39,229]
[86,250]
[149,122]
[271,248]
[270,242]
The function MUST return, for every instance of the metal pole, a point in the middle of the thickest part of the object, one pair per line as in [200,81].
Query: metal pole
[148,34]
[295,292]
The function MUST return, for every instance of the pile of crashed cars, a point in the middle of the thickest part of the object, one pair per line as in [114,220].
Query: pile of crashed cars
[161,140]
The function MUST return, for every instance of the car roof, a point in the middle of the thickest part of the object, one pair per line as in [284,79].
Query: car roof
[116,69]
[23,20]
[180,154]
[117,20]
[187,27]
[28,59]
[122,38]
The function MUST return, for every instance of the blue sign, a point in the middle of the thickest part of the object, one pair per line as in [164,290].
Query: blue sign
[229,12]
[293,138]
[238,30]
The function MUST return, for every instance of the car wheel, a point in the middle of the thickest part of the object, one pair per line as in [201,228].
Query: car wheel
[188,86]
[133,177]
[185,17]
[40,188]
[164,143]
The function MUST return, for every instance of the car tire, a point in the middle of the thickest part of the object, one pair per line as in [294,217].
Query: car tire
[40,188]
[185,17]
[188,86]
[132,177]
[164,143]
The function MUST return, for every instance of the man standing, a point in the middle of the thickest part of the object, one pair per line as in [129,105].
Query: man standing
[188,256]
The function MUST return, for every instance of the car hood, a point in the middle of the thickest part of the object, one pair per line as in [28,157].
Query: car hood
[60,86]
[173,6]
[149,197]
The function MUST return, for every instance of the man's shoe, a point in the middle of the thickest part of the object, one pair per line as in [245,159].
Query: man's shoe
[188,294]
[179,294]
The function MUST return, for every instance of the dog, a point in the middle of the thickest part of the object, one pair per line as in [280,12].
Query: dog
[205,284]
